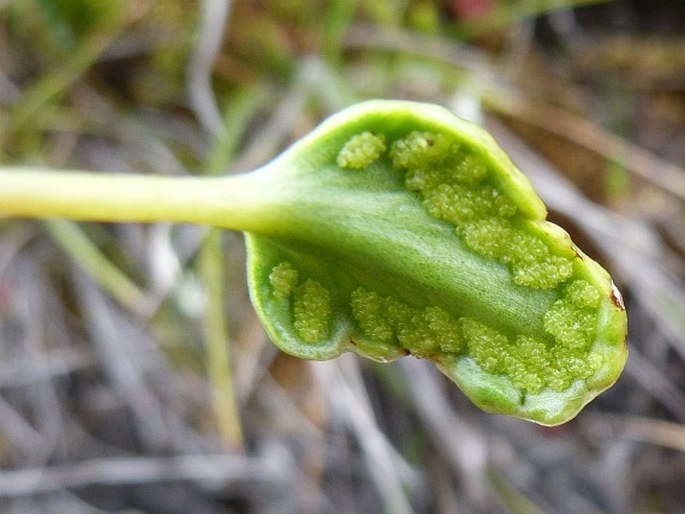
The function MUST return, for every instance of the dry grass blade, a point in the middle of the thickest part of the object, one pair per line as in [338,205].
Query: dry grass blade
[659,386]
[669,177]
[386,467]
[212,470]
[200,93]
[637,428]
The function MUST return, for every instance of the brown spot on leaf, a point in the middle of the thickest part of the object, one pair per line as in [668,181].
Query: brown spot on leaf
[577,251]
[616,297]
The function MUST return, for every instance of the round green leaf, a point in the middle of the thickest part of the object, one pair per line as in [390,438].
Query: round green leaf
[396,228]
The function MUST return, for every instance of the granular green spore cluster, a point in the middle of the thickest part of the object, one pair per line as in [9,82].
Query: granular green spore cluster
[530,364]
[284,279]
[432,333]
[455,185]
[361,150]
[311,302]
[423,332]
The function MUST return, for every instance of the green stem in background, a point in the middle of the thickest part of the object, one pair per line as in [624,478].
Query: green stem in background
[394,228]
[75,243]
[113,19]
[216,341]
[212,270]
[506,14]
[336,22]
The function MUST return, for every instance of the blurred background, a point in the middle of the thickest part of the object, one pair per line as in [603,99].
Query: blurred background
[134,375]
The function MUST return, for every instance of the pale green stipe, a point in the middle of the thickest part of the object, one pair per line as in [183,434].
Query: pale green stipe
[394,228]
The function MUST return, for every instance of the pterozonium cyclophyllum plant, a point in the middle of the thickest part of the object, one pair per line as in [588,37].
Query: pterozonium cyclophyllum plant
[394,228]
